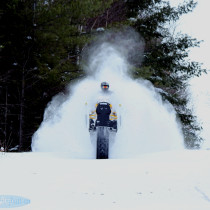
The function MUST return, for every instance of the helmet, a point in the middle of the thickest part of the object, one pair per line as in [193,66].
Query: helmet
[104,86]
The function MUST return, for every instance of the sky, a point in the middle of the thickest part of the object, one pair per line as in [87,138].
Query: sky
[195,24]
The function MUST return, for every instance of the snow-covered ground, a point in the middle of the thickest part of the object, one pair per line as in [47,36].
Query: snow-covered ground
[178,180]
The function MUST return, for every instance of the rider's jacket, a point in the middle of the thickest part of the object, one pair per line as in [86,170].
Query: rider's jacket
[111,114]
[103,110]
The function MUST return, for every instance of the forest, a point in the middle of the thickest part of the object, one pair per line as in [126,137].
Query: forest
[41,42]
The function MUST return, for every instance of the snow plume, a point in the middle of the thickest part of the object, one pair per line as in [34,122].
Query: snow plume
[146,123]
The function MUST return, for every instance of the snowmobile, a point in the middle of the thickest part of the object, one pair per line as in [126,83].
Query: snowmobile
[103,121]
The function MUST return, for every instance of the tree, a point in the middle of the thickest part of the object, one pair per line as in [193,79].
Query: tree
[40,47]
[15,58]
[166,62]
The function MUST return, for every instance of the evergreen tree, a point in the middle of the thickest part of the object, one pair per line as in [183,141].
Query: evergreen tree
[40,46]
[166,62]
[16,46]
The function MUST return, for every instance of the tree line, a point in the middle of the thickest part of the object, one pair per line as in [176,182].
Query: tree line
[41,42]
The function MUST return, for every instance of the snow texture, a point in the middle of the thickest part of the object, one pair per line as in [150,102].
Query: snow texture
[175,180]
[147,123]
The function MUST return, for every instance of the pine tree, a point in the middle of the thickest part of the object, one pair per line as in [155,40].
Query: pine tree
[16,48]
[166,62]
[40,46]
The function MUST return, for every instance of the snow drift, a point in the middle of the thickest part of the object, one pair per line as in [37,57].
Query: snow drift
[147,123]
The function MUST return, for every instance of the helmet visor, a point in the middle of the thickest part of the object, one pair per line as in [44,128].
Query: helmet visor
[105,86]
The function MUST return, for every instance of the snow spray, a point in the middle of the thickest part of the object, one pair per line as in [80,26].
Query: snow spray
[147,124]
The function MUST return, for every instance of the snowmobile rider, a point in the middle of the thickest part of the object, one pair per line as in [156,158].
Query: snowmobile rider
[103,115]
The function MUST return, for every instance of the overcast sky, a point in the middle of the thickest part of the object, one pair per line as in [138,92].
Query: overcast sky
[196,24]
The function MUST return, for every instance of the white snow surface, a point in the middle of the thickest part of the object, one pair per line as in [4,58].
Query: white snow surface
[175,180]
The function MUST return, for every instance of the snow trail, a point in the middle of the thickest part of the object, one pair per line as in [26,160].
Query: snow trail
[147,123]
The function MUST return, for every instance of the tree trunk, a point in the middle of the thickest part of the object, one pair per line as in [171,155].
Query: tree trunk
[22,97]
[5,121]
